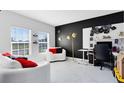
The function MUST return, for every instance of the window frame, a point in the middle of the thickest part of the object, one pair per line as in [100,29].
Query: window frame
[29,42]
[43,42]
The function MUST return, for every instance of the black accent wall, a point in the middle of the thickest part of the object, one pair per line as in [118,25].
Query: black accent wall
[63,30]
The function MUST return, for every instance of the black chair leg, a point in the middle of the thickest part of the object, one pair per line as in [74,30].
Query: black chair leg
[101,65]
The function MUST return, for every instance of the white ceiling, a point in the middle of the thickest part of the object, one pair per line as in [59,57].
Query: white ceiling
[60,17]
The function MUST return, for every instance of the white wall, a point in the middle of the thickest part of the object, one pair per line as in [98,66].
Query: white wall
[113,33]
[9,19]
[86,37]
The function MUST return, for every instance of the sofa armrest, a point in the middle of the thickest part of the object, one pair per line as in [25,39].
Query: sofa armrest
[64,51]
[49,56]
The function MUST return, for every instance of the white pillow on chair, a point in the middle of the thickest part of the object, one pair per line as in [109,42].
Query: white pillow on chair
[6,62]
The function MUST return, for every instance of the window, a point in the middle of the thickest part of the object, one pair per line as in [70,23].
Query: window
[43,39]
[20,40]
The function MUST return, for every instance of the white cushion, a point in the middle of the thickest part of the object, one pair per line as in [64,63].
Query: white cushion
[6,62]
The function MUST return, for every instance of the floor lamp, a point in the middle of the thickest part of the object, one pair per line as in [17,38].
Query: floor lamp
[71,37]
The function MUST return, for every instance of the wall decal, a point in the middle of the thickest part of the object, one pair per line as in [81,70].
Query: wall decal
[102,29]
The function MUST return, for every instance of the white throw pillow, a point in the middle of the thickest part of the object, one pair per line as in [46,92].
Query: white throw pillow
[6,62]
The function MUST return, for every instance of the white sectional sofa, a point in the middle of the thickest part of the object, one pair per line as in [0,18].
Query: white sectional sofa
[39,74]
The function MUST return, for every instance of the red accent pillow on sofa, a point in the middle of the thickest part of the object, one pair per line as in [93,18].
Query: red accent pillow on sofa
[6,54]
[26,63]
[53,50]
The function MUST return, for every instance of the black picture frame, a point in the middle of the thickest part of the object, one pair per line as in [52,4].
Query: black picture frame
[116,41]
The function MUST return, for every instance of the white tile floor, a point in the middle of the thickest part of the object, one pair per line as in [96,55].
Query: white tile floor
[72,72]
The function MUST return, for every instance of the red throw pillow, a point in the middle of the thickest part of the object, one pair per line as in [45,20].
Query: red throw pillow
[26,63]
[6,54]
[53,50]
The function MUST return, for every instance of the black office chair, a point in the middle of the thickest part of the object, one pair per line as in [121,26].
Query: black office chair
[103,54]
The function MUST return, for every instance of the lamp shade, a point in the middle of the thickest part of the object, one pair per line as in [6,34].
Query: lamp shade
[74,35]
[68,37]
[60,39]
